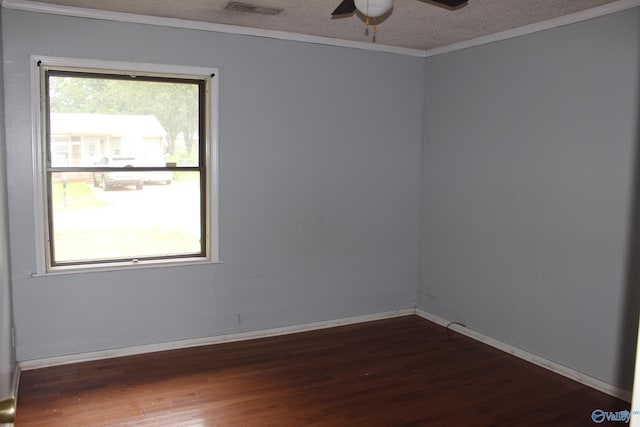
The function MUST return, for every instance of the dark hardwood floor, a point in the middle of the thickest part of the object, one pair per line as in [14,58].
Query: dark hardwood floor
[398,372]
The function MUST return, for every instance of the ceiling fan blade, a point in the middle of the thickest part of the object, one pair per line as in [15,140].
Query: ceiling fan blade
[450,3]
[347,6]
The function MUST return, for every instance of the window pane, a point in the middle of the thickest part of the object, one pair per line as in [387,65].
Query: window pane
[155,122]
[90,224]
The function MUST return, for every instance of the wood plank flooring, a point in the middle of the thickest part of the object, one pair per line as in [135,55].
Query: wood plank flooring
[398,372]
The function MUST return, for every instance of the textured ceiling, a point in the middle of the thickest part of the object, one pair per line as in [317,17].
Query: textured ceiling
[416,24]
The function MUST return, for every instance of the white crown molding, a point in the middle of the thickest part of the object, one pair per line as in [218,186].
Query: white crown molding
[565,371]
[52,9]
[561,21]
[32,6]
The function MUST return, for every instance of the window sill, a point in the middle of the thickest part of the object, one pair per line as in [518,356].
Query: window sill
[125,266]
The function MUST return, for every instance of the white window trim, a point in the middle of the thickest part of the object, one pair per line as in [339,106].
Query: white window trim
[38,167]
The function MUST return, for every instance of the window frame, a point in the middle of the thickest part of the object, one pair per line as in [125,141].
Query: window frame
[40,66]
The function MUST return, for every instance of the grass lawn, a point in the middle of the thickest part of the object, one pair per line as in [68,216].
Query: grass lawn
[78,196]
[77,245]
[91,224]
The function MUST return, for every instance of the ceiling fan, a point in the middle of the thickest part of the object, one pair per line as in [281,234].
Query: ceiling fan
[376,8]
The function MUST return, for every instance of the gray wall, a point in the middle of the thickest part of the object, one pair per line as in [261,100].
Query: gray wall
[319,188]
[7,352]
[527,192]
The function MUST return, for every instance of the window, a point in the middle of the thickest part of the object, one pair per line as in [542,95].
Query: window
[128,166]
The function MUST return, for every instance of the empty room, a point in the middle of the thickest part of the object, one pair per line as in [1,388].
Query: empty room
[285,213]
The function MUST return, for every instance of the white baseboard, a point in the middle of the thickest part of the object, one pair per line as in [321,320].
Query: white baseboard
[174,345]
[594,383]
[16,382]
[26,365]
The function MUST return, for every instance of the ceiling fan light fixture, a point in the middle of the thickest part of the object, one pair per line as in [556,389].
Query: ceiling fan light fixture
[373,8]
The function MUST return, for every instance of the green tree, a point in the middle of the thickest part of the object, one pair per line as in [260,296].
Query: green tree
[175,105]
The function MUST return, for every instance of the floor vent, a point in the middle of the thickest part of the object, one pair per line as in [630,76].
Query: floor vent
[236,6]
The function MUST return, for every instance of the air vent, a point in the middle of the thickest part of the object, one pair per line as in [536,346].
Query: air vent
[236,6]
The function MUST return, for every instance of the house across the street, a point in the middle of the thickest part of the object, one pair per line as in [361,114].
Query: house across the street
[81,139]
